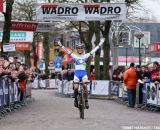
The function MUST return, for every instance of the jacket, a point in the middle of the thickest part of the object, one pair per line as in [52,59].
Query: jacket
[130,78]
[155,75]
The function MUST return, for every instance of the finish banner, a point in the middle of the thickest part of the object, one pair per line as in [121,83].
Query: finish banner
[81,12]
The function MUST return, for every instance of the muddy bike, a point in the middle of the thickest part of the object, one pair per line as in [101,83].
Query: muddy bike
[81,99]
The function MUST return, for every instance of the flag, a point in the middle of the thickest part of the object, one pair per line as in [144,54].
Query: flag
[1,5]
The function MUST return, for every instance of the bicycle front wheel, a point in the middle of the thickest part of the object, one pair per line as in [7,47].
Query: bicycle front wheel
[81,105]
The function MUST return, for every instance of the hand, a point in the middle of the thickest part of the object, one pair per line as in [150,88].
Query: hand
[59,43]
[156,82]
[102,41]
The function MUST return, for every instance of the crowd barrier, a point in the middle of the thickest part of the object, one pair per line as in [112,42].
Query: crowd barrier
[116,89]
[44,84]
[10,95]
[108,88]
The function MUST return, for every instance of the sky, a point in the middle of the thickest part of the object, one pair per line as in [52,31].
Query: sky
[153,7]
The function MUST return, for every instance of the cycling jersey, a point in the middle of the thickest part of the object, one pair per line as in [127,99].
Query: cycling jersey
[80,64]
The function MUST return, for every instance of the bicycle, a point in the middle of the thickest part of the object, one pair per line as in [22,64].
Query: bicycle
[81,100]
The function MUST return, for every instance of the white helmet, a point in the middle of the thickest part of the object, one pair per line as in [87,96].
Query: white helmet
[80,45]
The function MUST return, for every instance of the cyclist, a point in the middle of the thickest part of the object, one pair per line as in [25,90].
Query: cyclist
[80,73]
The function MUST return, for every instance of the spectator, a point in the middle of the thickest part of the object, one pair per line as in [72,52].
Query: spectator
[92,76]
[140,75]
[130,80]
[116,74]
[155,76]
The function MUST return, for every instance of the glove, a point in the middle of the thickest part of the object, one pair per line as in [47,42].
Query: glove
[101,42]
[59,43]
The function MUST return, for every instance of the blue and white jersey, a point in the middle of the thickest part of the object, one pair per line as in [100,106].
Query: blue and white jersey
[80,61]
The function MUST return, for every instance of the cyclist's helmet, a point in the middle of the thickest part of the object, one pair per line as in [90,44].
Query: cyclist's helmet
[80,45]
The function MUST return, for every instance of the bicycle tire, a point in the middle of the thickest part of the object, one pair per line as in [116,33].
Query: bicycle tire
[82,104]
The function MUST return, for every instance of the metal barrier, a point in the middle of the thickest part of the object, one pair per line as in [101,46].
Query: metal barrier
[45,84]
[153,94]
[10,97]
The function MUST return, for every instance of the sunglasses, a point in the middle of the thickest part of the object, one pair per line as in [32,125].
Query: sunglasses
[80,48]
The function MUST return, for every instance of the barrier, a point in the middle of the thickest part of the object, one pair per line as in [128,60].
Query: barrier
[28,89]
[11,92]
[58,84]
[68,87]
[34,84]
[114,87]
[9,95]
[100,87]
[52,84]
[1,93]
[42,83]
[15,85]
[122,90]
[45,84]
[153,94]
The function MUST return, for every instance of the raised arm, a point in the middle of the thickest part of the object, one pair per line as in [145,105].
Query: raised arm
[95,49]
[67,51]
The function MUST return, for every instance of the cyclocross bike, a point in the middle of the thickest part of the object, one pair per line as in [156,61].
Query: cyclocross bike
[81,99]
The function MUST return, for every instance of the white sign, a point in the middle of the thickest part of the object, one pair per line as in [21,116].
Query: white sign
[81,12]
[100,87]
[19,36]
[9,47]
[151,94]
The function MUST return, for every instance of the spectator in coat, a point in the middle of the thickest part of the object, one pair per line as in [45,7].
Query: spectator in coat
[155,74]
[130,80]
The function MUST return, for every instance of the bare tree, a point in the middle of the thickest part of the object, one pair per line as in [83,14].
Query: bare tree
[25,11]
[7,23]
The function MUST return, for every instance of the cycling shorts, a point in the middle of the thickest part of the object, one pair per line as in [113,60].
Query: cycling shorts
[80,75]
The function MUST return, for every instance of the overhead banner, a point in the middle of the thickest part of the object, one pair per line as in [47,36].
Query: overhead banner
[19,36]
[1,5]
[81,12]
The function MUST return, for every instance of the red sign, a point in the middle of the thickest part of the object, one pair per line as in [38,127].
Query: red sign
[1,5]
[154,47]
[23,46]
[24,26]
